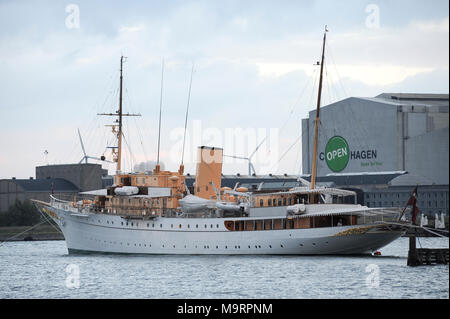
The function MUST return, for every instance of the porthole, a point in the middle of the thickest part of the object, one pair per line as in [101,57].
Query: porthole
[171,225]
[179,226]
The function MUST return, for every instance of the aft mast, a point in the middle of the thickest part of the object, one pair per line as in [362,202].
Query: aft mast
[316,124]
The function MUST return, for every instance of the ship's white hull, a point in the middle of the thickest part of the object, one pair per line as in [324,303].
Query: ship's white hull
[107,233]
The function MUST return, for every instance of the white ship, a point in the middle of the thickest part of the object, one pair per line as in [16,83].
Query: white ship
[154,213]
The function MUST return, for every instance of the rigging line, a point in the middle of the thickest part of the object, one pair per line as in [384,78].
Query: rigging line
[16,235]
[363,129]
[284,154]
[138,129]
[95,125]
[330,51]
[50,222]
[140,138]
[298,99]
[107,87]
[187,112]
[313,77]
[130,155]
[330,87]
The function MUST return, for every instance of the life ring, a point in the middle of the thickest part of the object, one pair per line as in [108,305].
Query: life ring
[229,225]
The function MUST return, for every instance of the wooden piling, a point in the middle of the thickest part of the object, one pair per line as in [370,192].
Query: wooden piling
[426,256]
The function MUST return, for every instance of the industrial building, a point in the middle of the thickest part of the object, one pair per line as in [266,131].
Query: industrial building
[66,180]
[85,176]
[389,132]
[40,189]
[368,139]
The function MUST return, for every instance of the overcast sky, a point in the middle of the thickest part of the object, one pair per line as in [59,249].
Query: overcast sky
[253,79]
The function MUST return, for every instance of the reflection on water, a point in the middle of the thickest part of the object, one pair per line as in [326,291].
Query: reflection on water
[45,270]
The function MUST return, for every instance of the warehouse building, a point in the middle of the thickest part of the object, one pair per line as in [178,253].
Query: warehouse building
[390,132]
[40,189]
[63,180]
[367,139]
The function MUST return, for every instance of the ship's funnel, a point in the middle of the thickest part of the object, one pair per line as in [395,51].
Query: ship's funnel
[209,171]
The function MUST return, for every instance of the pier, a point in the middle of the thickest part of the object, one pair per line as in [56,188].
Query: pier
[426,256]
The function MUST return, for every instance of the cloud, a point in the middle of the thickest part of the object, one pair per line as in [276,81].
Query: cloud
[253,61]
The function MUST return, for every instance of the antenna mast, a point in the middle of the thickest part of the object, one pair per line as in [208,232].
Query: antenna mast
[181,170]
[316,124]
[157,168]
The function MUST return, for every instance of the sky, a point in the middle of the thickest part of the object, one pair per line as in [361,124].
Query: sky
[253,77]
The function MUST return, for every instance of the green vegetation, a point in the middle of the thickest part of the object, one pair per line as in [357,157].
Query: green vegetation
[20,214]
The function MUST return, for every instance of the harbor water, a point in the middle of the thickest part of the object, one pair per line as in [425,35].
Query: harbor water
[44,269]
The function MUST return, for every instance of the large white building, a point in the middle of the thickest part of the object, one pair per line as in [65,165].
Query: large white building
[389,132]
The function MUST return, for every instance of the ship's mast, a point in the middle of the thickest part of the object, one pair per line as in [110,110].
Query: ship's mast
[117,154]
[316,124]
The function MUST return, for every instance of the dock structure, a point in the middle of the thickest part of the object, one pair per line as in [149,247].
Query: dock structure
[426,256]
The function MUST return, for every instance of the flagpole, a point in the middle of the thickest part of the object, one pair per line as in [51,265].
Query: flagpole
[407,204]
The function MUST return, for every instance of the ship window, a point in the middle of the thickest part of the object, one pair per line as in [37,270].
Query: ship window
[196,226]
[171,225]
[206,225]
[261,203]
[206,187]
[179,226]
[212,226]
[198,189]
[279,202]
[284,201]
[217,226]
[189,226]
[269,202]
[274,202]
[160,225]
[290,201]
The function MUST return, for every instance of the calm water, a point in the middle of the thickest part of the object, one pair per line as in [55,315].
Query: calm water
[45,270]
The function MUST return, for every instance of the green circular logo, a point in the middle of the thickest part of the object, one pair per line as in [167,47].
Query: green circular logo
[337,153]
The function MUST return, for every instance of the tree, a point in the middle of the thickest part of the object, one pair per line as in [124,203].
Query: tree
[20,214]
